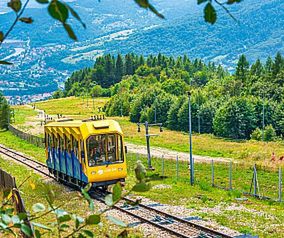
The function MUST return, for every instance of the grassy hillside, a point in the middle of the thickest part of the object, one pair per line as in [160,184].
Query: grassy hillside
[220,206]
[205,144]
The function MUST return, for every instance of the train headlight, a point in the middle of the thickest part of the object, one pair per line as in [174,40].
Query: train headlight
[93,173]
[120,169]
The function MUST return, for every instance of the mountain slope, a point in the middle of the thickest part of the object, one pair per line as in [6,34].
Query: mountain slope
[43,56]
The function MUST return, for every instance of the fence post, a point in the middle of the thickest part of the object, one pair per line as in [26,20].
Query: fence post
[280,185]
[255,187]
[177,168]
[163,166]
[230,176]
[212,169]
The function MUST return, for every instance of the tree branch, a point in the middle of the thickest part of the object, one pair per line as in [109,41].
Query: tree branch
[15,22]
[226,10]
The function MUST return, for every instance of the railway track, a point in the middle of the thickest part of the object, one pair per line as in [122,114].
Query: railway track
[166,222]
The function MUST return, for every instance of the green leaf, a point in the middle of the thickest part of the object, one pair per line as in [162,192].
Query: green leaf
[5,62]
[37,234]
[15,219]
[27,20]
[88,233]
[58,11]
[22,216]
[41,226]
[116,221]
[75,14]
[153,9]
[42,1]
[1,36]
[143,3]
[116,192]
[6,192]
[26,230]
[6,219]
[85,194]
[201,1]
[9,211]
[64,226]
[64,218]
[2,225]
[210,14]
[93,219]
[38,207]
[78,220]
[142,187]
[70,31]
[60,212]
[16,5]
[109,200]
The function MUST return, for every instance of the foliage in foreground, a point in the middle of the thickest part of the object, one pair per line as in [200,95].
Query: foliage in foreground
[67,224]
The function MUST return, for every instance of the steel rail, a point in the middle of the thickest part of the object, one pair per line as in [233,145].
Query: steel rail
[197,226]
[94,194]
[162,227]
[8,152]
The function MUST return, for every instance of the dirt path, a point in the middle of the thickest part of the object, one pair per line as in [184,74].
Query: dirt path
[171,154]
[36,128]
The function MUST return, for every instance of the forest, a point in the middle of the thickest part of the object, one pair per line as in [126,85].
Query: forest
[246,104]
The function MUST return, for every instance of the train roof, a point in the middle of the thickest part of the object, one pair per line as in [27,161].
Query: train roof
[83,129]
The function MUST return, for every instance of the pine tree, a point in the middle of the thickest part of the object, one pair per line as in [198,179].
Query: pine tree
[278,64]
[141,60]
[268,65]
[119,68]
[242,68]
[128,64]
[256,68]
[4,113]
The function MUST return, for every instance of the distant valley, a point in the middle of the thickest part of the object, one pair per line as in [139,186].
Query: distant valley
[44,57]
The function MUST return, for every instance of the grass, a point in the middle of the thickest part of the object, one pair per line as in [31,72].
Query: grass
[264,218]
[205,144]
[72,106]
[65,198]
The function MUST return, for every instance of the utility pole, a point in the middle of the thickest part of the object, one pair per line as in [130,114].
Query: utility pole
[147,135]
[263,117]
[155,119]
[198,112]
[191,161]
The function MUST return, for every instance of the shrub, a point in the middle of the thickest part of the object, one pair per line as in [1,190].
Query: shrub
[256,134]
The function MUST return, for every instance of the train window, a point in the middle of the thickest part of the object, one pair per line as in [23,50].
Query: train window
[111,148]
[61,143]
[49,140]
[96,148]
[119,148]
[102,149]
[76,147]
[68,145]
[55,141]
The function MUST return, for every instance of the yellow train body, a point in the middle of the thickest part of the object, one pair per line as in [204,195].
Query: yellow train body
[86,151]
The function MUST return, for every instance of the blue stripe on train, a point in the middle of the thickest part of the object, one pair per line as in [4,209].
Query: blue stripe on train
[66,163]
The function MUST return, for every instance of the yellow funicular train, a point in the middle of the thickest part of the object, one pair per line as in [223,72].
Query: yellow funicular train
[86,151]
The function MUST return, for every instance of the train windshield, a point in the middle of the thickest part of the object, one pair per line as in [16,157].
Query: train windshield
[104,149]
